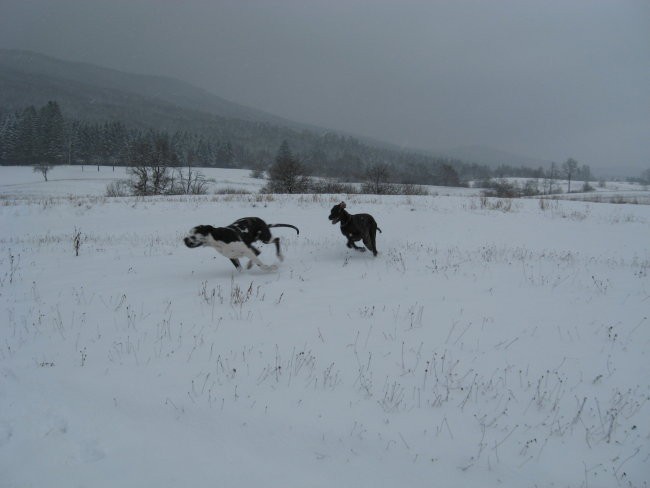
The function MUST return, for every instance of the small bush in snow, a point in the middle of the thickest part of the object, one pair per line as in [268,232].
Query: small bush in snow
[502,189]
[330,186]
[118,188]
[231,190]
[586,187]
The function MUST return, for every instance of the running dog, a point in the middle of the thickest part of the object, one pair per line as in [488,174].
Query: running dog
[356,227]
[236,240]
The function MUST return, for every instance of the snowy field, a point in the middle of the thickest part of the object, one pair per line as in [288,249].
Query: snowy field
[602,192]
[21,182]
[64,181]
[490,343]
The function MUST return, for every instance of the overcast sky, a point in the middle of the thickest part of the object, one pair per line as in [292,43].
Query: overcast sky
[546,79]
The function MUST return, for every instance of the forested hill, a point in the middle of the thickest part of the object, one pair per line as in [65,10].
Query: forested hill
[105,110]
[95,93]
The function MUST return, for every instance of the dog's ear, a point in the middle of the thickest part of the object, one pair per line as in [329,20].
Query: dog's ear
[342,204]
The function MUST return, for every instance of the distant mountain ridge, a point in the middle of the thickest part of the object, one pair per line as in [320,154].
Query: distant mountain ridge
[49,78]
[92,93]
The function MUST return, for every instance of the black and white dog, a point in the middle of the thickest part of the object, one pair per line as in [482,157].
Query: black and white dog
[236,240]
[356,227]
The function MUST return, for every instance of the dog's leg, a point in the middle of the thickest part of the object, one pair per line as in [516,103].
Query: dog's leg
[276,241]
[278,253]
[265,267]
[367,241]
[352,245]
[236,263]
[256,251]
[253,259]
[370,241]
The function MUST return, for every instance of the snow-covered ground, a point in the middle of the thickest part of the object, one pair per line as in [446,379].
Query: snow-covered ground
[63,181]
[489,343]
[601,192]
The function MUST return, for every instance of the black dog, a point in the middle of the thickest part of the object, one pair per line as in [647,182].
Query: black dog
[356,227]
[236,240]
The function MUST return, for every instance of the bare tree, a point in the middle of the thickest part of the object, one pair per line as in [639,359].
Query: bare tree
[377,176]
[569,168]
[190,181]
[549,180]
[43,168]
[152,157]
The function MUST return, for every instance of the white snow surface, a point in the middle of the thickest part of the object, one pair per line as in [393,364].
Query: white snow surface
[486,345]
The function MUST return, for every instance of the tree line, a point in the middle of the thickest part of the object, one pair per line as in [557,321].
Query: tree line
[44,136]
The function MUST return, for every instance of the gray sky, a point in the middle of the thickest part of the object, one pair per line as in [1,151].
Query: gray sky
[547,79]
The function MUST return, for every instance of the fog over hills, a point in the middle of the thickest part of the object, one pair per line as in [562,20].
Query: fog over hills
[548,81]
[217,131]
[90,92]
[493,157]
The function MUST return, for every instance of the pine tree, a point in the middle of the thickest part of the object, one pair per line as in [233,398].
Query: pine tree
[9,138]
[447,176]
[286,174]
[51,134]
[26,137]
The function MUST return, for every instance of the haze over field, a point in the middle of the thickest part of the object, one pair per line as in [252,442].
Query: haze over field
[547,80]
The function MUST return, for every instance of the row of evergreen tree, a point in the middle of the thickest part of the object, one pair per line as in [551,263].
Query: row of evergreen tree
[43,135]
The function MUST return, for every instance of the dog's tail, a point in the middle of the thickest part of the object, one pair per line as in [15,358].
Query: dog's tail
[285,225]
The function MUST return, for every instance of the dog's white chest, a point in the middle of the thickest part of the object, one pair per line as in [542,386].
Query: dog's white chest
[232,250]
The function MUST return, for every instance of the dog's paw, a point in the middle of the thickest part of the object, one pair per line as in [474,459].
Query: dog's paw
[280,257]
[249,265]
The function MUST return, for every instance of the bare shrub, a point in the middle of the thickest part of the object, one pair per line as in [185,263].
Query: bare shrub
[543,204]
[231,190]
[377,177]
[189,182]
[502,189]
[502,204]
[258,171]
[506,189]
[43,169]
[76,241]
[118,188]
[586,187]
[531,188]
[331,186]
[410,189]
[149,180]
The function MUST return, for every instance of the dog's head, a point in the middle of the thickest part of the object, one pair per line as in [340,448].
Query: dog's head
[197,236]
[337,212]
